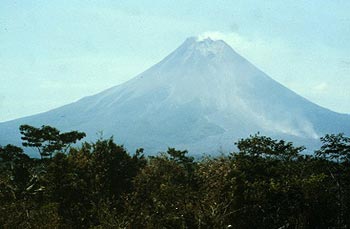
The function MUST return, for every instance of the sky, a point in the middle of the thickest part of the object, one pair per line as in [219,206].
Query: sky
[55,52]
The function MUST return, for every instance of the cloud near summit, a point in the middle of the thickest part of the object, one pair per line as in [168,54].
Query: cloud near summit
[291,64]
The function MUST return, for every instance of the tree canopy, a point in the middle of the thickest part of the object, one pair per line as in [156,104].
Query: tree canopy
[48,140]
[266,183]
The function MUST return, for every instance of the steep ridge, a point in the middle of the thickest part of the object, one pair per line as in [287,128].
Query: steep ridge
[202,97]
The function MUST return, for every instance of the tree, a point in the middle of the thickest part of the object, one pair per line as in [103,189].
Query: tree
[217,193]
[48,140]
[262,146]
[11,153]
[15,163]
[277,187]
[335,147]
[164,194]
[335,150]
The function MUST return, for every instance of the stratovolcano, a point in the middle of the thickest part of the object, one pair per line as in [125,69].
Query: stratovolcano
[202,97]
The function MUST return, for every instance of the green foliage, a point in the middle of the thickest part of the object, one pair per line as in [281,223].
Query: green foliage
[11,153]
[47,139]
[164,192]
[267,183]
[335,147]
[262,146]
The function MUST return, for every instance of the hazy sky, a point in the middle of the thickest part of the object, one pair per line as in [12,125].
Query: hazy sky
[55,52]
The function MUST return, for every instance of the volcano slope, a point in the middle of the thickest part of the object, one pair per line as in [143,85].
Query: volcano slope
[202,97]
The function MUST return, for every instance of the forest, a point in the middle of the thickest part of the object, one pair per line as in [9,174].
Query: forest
[265,183]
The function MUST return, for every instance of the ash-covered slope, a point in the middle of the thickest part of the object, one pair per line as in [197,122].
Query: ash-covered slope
[202,97]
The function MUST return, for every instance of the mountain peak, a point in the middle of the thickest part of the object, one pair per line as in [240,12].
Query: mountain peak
[200,97]
[205,47]
[204,42]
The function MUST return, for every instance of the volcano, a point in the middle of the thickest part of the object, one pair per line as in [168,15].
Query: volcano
[202,97]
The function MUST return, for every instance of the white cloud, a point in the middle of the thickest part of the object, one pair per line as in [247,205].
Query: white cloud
[259,51]
[321,87]
[214,35]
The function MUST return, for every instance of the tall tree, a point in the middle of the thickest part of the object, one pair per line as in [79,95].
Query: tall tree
[48,140]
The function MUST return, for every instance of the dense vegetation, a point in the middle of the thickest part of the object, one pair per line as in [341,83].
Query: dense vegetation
[267,183]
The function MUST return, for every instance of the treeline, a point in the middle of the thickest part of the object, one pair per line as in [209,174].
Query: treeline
[267,183]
